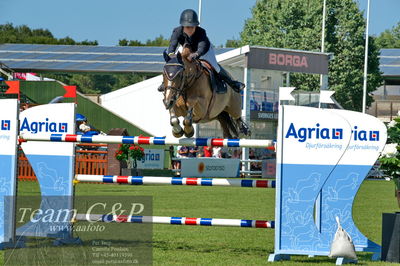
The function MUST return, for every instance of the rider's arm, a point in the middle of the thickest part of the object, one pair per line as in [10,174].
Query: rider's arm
[204,42]
[174,41]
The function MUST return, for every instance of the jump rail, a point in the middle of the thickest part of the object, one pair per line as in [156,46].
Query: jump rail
[156,180]
[249,143]
[175,220]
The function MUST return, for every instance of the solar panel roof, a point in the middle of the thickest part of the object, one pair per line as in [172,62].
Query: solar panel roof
[389,62]
[77,58]
[122,59]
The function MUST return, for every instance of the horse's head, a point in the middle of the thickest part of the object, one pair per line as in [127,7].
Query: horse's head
[173,79]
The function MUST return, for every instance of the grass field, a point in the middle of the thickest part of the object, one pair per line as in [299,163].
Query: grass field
[231,246]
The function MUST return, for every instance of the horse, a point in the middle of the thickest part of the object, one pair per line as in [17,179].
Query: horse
[188,93]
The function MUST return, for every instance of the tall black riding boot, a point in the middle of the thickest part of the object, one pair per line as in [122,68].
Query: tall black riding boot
[235,85]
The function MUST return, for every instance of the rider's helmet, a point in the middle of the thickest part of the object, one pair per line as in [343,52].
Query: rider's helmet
[189,18]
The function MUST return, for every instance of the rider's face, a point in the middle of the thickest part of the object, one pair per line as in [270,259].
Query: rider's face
[189,30]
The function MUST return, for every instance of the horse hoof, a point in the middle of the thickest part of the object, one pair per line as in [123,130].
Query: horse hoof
[187,122]
[179,134]
[190,134]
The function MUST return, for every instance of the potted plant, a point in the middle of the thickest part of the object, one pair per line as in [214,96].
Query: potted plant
[130,154]
[390,157]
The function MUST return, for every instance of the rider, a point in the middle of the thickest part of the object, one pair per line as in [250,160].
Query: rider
[190,33]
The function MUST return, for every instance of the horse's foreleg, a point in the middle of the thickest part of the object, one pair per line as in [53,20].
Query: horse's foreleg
[188,123]
[177,130]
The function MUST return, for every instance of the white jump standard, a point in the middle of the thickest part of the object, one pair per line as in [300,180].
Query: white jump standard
[164,141]
[174,220]
[188,181]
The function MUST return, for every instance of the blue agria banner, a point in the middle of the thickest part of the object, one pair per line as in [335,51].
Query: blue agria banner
[322,158]
[8,169]
[53,163]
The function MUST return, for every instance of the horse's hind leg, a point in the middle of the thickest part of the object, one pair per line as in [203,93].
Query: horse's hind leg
[188,123]
[243,127]
[177,130]
[226,122]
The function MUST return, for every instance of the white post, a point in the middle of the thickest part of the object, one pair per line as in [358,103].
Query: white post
[246,113]
[197,126]
[321,81]
[364,106]
[199,10]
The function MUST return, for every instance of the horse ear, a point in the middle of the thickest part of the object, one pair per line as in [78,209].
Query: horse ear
[166,56]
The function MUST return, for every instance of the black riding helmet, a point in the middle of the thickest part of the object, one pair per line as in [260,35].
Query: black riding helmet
[189,18]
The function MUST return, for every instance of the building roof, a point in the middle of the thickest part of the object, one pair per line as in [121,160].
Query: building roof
[389,64]
[84,58]
[127,59]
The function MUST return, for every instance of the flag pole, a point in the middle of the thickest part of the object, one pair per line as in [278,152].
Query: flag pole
[364,104]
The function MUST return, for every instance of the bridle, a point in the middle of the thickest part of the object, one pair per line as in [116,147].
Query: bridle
[179,91]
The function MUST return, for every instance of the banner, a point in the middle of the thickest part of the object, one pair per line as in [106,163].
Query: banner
[153,159]
[52,162]
[269,168]
[288,60]
[8,169]
[209,167]
[322,158]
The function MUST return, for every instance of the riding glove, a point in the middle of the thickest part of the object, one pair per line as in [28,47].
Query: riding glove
[193,56]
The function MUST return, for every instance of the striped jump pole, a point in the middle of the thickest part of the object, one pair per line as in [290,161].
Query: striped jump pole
[249,143]
[188,181]
[175,220]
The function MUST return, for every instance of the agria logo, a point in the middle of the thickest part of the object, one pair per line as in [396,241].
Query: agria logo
[5,125]
[317,132]
[364,135]
[302,134]
[46,126]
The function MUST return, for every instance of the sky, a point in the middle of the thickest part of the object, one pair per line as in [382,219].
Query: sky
[109,21]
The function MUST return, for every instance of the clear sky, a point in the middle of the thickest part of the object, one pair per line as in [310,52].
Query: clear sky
[108,21]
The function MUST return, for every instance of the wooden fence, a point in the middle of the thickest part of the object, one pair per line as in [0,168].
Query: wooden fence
[90,159]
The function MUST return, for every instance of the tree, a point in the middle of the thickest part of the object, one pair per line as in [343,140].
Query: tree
[24,34]
[232,43]
[296,24]
[389,38]
[158,41]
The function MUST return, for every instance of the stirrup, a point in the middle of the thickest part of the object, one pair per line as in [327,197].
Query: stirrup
[237,86]
[161,88]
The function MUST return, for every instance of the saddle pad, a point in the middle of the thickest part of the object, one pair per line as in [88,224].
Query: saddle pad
[219,86]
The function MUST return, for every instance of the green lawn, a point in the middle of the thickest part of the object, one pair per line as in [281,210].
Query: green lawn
[232,246]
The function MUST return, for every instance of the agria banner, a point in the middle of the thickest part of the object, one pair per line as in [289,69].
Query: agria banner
[322,158]
[52,162]
[8,167]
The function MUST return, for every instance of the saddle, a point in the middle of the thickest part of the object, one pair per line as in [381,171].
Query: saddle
[218,85]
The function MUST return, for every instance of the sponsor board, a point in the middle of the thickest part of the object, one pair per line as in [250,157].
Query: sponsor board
[153,159]
[8,169]
[288,60]
[323,156]
[209,167]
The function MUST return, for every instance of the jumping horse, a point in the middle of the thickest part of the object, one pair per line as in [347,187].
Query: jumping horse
[189,93]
